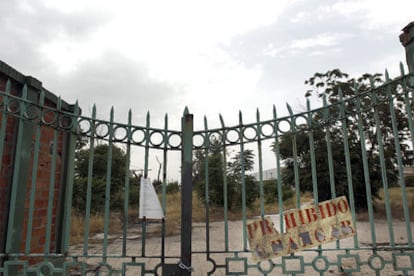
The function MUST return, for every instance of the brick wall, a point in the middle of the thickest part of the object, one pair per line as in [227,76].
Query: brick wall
[43,170]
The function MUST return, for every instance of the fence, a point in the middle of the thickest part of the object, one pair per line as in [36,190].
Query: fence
[357,144]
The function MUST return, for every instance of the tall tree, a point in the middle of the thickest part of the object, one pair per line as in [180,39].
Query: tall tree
[213,161]
[362,112]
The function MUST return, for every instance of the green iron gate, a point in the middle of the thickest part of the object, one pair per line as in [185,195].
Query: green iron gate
[373,128]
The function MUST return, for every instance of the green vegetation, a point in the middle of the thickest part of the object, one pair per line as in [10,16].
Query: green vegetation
[361,117]
[210,166]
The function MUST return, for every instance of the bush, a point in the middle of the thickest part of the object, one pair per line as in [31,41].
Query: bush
[409,181]
[271,192]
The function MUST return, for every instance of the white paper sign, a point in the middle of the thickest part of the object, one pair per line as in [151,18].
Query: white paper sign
[149,204]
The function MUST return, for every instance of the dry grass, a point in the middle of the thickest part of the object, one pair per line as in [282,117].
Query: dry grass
[96,225]
[396,203]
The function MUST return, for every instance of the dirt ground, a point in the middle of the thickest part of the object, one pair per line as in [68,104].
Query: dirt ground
[238,263]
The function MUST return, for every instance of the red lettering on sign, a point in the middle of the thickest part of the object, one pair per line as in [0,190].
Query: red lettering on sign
[311,213]
[290,220]
[252,227]
[266,228]
[321,211]
[342,206]
[331,208]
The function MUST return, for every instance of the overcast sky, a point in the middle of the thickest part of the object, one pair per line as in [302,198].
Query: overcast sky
[213,56]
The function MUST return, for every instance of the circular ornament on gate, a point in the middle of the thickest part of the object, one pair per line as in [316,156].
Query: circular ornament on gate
[232,136]
[138,136]
[266,266]
[198,140]
[376,262]
[13,106]
[267,130]
[250,133]
[283,126]
[174,140]
[156,138]
[66,122]
[46,268]
[320,264]
[49,117]
[120,133]
[31,112]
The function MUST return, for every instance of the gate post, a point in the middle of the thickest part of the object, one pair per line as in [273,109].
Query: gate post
[186,191]
[407,40]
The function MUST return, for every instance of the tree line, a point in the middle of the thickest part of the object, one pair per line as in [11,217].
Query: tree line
[363,134]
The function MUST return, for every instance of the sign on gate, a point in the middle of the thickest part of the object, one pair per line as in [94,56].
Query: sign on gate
[306,227]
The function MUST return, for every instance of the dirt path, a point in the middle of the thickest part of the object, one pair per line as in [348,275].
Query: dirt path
[235,243]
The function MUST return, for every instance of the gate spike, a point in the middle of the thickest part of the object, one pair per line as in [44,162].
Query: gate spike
[148,118]
[205,123]
[289,109]
[387,76]
[129,116]
[257,114]
[112,114]
[274,112]
[308,104]
[325,103]
[240,117]
[221,120]
[186,112]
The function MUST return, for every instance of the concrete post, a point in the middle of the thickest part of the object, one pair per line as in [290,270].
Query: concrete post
[407,40]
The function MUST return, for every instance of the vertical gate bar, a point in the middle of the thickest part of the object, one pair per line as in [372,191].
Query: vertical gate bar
[52,180]
[147,143]
[241,130]
[399,161]
[225,186]
[347,161]
[89,181]
[329,148]
[108,186]
[259,149]
[383,169]
[366,170]
[329,151]
[126,183]
[186,189]
[164,187]
[11,227]
[4,121]
[206,187]
[145,176]
[279,173]
[70,178]
[295,156]
[34,177]
[312,154]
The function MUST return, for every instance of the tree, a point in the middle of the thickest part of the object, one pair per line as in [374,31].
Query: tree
[214,161]
[329,85]
[235,178]
[117,181]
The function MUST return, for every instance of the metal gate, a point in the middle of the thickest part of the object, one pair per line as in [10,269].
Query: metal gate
[358,145]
